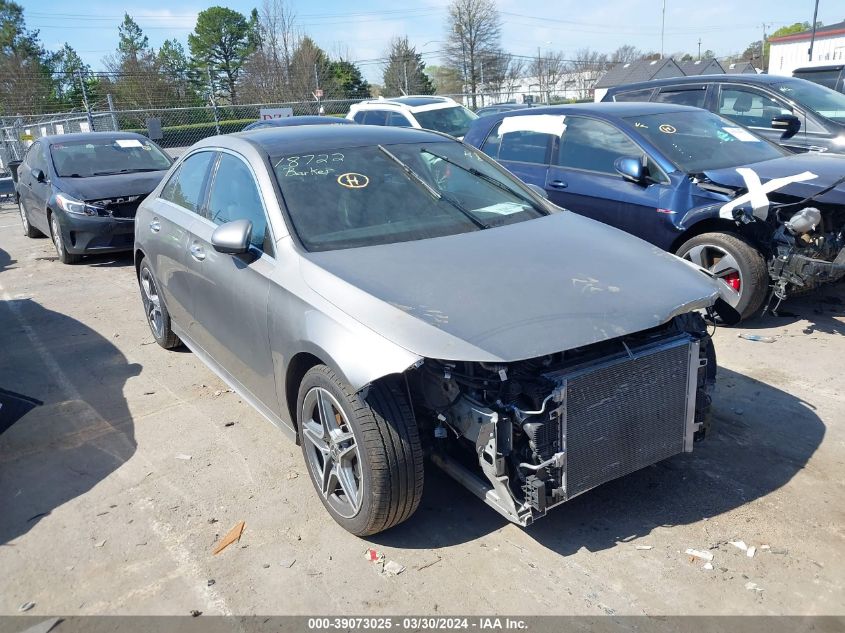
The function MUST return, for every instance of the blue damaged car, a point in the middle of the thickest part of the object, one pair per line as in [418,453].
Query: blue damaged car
[763,220]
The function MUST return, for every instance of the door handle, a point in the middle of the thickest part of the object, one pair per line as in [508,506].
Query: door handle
[155,226]
[197,252]
[558,184]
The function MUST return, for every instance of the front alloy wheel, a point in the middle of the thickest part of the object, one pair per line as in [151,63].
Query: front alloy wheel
[736,263]
[59,243]
[332,452]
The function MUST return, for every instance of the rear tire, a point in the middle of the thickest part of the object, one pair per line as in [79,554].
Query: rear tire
[28,229]
[371,444]
[727,253]
[154,309]
[59,242]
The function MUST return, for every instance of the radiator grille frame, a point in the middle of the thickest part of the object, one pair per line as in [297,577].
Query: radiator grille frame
[601,449]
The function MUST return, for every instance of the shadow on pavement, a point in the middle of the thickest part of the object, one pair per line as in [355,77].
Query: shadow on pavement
[823,308]
[745,457]
[6,260]
[68,424]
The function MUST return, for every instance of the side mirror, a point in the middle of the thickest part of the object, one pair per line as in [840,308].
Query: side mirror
[233,237]
[789,123]
[631,169]
[539,191]
[38,175]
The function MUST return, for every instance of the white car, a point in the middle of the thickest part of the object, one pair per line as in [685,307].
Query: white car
[440,114]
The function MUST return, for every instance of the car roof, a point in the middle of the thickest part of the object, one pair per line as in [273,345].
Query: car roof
[610,109]
[53,139]
[762,79]
[277,141]
[413,101]
[303,120]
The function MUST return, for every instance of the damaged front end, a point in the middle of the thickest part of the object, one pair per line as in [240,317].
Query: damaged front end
[527,436]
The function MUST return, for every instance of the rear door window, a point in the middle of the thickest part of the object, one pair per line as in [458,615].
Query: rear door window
[397,119]
[634,95]
[520,147]
[187,184]
[682,96]
[375,117]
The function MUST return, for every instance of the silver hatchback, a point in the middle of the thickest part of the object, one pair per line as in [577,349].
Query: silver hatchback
[381,294]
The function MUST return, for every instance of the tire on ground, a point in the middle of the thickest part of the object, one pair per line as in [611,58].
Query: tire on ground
[752,267]
[167,339]
[390,452]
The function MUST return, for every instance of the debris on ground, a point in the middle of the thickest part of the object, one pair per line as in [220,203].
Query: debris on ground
[212,520]
[233,536]
[765,547]
[229,424]
[429,564]
[644,547]
[757,337]
[708,566]
[695,553]
[211,581]
[385,567]
[100,543]
[753,586]
[149,393]
[195,613]
[288,563]
[292,475]
[26,606]
[183,456]
[266,565]
[739,544]
[751,551]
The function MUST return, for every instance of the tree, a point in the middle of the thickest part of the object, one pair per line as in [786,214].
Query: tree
[173,63]
[404,72]
[26,83]
[347,80]
[549,70]
[70,70]
[220,44]
[625,54]
[584,69]
[446,80]
[474,31]
[310,69]
[132,42]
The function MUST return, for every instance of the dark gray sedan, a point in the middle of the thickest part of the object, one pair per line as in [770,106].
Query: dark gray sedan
[381,294]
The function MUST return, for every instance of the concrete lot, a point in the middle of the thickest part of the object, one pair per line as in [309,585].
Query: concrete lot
[98,515]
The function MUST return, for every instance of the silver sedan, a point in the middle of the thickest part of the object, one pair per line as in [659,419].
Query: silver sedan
[383,294]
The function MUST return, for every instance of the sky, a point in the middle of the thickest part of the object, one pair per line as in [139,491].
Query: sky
[361,31]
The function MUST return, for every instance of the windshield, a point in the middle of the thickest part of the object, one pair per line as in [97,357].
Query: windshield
[698,140]
[454,120]
[824,101]
[106,156]
[363,196]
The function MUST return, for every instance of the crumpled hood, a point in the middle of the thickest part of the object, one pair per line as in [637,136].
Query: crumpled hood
[828,168]
[510,293]
[114,186]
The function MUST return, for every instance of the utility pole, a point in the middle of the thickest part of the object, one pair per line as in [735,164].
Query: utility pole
[763,48]
[213,99]
[540,72]
[813,36]
[405,72]
[663,27]
[85,102]
[699,49]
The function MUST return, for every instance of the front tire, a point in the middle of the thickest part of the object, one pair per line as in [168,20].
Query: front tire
[28,229]
[157,316]
[59,242]
[737,263]
[363,454]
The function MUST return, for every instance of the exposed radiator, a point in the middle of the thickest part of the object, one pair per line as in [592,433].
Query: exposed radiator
[627,412]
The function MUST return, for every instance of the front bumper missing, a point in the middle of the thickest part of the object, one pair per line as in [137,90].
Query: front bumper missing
[791,267]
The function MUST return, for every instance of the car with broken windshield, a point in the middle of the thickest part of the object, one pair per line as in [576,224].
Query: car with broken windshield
[382,295]
[82,190]
[760,218]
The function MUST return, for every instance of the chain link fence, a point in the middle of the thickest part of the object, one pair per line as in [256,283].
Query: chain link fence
[176,128]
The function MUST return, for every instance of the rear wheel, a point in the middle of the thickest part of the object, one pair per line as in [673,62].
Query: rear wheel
[735,262]
[157,316]
[59,242]
[363,454]
[28,229]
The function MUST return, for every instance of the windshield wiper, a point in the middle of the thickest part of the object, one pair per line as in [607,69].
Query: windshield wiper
[431,190]
[486,178]
[126,171]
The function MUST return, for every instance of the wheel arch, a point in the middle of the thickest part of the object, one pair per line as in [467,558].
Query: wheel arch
[708,225]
